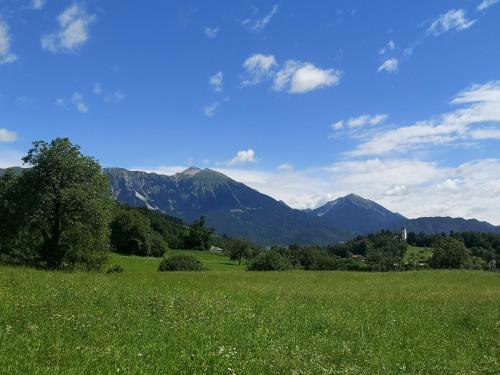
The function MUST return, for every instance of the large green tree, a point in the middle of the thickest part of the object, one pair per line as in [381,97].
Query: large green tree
[239,250]
[199,235]
[448,252]
[61,206]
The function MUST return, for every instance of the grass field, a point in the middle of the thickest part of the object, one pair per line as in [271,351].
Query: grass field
[416,254]
[229,321]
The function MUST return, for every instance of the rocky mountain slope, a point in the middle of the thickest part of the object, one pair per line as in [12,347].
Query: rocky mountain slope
[229,206]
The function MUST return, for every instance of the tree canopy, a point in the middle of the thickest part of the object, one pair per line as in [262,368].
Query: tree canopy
[57,212]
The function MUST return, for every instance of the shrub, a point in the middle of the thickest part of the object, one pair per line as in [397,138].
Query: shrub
[180,263]
[476,263]
[349,264]
[115,269]
[324,263]
[269,261]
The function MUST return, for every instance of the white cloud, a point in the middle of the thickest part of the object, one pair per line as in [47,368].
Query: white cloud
[285,167]
[485,134]
[337,125]
[485,4]
[60,102]
[482,107]
[259,24]
[6,56]
[258,67]
[79,103]
[244,156]
[297,77]
[390,46]
[97,88]
[73,30]
[389,66]
[294,76]
[7,135]
[454,19]
[210,110]
[115,97]
[407,52]
[37,4]
[211,33]
[216,81]
[363,120]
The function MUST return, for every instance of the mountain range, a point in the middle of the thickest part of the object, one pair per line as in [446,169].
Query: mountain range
[238,210]
[235,209]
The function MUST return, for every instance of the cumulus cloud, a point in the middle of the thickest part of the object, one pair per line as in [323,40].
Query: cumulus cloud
[297,77]
[482,108]
[294,77]
[7,135]
[485,4]
[115,97]
[485,134]
[337,125]
[216,81]
[259,24]
[97,89]
[389,66]
[73,31]
[285,167]
[209,110]
[211,33]
[6,56]
[78,101]
[390,46]
[454,19]
[363,120]
[37,4]
[242,157]
[257,68]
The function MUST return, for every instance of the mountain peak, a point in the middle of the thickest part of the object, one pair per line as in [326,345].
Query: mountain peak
[191,171]
[359,215]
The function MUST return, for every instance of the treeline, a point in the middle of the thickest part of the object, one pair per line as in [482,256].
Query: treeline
[59,213]
[376,252]
[385,251]
[144,232]
[471,249]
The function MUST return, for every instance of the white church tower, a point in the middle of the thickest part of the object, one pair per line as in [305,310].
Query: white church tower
[404,234]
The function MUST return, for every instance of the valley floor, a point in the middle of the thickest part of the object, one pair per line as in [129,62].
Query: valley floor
[229,321]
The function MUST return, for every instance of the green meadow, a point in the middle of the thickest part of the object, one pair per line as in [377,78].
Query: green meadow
[226,320]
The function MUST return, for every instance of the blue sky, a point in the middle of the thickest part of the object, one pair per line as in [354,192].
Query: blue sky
[392,100]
